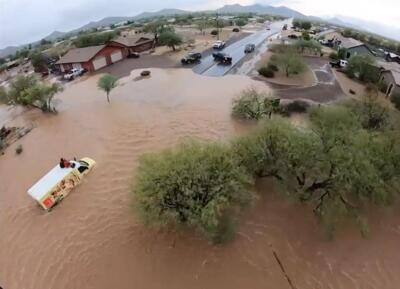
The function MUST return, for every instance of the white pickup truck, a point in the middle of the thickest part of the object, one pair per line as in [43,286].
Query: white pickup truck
[219,44]
[74,72]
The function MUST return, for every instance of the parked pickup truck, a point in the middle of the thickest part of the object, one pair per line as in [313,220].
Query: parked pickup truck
[339,63]
[219,44]
[192,57]
[222,58]
[74,72]
[59,182]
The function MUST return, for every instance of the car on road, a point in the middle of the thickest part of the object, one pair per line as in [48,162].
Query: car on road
[249,48]
[222,58]
[192,57]
[74,72]
[219,44]
[339,63]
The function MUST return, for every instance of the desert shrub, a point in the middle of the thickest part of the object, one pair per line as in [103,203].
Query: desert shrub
[253,104]
[273,67]
[395,99]
[289,62]
[214,32]
[382,86]
[3,95]
[370,112]
[297,106]
[266,72]
[334,56]
[197,185]
[92,39]
[362,67]
[19,149]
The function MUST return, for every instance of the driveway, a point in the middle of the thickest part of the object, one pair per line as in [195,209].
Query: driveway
[236,50]
[327,88]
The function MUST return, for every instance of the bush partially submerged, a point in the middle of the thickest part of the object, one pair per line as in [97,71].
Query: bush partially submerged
[253,104]
[266,72]
[198,185]
[29,91]
[336,165]
[297,106]
[19,149]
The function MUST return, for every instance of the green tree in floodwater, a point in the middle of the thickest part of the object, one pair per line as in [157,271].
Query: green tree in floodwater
[254,104]
[107,82]
[29,91]
[340,165]
[196,185]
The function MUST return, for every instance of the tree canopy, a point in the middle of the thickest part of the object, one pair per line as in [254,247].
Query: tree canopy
[338,165]
[38,61]
[363,67]
[288,62]
[29,91]
[170,39]
[253,104]
[92,39]
[197,185]
[107,82]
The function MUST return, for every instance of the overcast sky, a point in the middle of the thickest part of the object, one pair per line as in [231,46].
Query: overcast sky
[24,21]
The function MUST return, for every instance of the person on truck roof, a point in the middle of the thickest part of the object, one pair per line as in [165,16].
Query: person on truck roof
[64,163]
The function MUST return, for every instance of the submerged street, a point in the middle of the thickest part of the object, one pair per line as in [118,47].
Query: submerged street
[209,67]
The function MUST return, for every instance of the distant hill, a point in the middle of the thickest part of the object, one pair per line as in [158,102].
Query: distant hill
[103,22]
[55,35]
[163,12]
[9,50]
[261,9]
[370,26]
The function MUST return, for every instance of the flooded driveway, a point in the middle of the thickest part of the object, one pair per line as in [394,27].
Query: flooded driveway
[93,240]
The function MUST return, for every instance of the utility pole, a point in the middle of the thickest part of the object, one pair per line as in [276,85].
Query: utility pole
[216,19]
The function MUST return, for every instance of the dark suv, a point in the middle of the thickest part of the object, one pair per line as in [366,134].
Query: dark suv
[222,58]
[249,48]
[192,57]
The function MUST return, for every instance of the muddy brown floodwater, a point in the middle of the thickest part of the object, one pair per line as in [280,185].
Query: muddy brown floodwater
[93,240]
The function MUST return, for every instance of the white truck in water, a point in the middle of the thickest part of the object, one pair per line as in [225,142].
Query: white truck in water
[59,182]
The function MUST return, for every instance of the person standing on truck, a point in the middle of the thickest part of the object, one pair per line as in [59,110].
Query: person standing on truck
[64,164]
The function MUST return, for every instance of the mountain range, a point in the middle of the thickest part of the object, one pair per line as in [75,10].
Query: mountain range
[235,8]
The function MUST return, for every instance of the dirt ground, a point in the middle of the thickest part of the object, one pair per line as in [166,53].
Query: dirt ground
[304,79]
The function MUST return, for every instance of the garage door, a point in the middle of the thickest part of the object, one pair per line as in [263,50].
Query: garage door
[99,63]
[116,56]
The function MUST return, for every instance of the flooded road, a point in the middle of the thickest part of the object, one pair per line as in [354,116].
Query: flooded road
[209,67]
[93,240]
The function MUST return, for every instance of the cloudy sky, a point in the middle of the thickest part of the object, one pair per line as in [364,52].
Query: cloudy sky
[24,21]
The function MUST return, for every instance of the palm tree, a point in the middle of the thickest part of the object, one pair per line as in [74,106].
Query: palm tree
[107,82]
